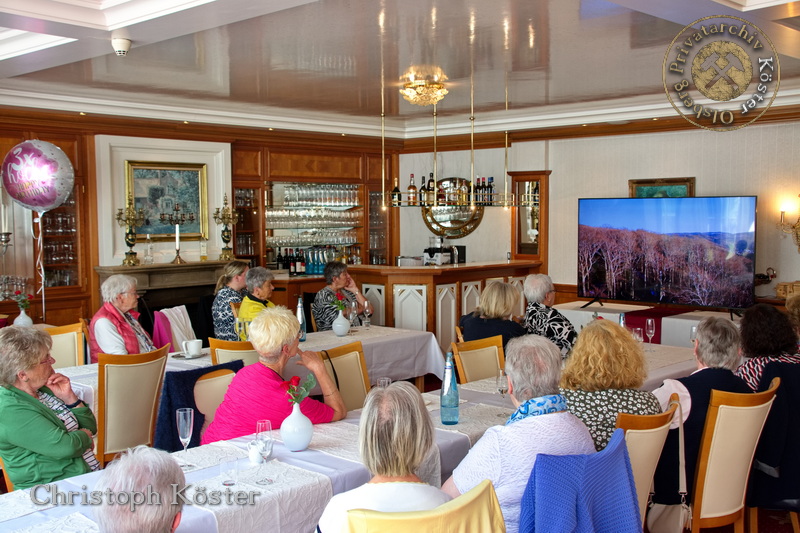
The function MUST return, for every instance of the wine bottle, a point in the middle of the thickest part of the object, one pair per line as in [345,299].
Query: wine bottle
[449,393]
[397,198]
[279,259]
[301,317]
[490,191]
[423,193]
[431,199]
[412,192]
[301,262]
[292,264]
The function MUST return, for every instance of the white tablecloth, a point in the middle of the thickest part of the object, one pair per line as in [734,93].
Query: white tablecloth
[676,329]
[580,316]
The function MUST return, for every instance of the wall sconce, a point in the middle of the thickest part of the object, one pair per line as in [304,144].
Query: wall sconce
[791,229]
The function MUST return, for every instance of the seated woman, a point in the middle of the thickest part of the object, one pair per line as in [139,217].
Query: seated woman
[716,349]
[768,335]
[338,281]
[256,392]
[602,377]
[493,315]
[259,290]
[115,327]
[45,430]
[541,318]
[395,436]
[228,290]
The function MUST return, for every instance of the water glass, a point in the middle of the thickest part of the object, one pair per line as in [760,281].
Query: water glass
[383,382]
[229,470]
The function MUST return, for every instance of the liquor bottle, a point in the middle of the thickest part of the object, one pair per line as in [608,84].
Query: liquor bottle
[300,265]
[449,393]
[423,193]
[431,199]
[397,198]
[412,192]
[279,259]
[292,264]
[301,317]
[490,191]
[442,195]
[148,251]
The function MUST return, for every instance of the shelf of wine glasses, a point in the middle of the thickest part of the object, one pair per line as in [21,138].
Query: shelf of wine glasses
[312,219]
[336,238]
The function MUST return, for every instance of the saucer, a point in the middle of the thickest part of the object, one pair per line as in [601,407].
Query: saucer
[184,355]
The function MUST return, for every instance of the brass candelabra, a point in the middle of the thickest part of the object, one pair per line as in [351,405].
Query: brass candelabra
[227,217]
[129,218]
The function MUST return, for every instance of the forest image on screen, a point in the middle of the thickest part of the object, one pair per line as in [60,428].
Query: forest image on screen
[689,251]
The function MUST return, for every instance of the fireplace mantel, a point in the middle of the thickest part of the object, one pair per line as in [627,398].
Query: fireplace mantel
[167,275]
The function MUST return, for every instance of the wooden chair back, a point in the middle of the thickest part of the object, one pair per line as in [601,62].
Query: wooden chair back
[209,391]
[479,359]
[227,351]
[730,435]
[645,436]
[459,334]
[235,309]
[129,387]
[69,347]
[351,373]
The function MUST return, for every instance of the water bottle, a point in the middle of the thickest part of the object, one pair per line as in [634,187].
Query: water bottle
[301,317]
[622,319]
[449,399]
[148,251]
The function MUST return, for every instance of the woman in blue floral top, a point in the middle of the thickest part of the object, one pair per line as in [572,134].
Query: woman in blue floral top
[229,289]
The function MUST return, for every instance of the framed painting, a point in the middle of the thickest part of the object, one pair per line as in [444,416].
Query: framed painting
[661,188]
[164,190]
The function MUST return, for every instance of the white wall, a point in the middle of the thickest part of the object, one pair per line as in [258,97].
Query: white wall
[756,160]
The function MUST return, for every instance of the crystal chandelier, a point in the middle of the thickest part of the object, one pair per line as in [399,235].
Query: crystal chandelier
[424,85]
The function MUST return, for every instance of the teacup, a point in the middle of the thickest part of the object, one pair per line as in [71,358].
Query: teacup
[193,348]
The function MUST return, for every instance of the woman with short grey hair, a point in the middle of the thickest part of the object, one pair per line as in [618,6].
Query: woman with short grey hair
[115,327]
[259,290]
[540,316]
[45,430]
[395,436]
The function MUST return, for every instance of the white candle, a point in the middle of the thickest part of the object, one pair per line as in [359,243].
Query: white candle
[177,237]
[3,210]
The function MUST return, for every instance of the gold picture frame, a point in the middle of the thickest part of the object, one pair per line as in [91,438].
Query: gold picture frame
[661,187]
[157,186]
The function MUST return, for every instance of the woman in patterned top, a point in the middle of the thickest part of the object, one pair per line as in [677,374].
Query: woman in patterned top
[541,318]
[229,289]
[767,335]
[602,377]
[46,431]
[339,281]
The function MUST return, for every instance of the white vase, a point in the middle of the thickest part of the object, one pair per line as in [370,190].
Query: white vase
[340,325]
[297,430]
[23,319]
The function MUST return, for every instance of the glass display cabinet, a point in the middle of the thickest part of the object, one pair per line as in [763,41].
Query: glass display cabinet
[530,217]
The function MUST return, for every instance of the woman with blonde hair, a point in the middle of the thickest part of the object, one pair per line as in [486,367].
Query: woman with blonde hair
[602,376]
[493,315]
[229,290]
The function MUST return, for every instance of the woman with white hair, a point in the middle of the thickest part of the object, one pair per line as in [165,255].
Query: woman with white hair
[256,392]
[541,318]
[394,438]
[115,327]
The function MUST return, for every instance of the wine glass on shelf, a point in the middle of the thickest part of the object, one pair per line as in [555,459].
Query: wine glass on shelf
[264,443]
[650,330]
[368,310]
[185,421]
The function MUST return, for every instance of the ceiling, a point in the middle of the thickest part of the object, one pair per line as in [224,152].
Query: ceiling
[319,65]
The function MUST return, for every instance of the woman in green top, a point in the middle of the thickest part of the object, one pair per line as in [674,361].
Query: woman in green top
[45,430]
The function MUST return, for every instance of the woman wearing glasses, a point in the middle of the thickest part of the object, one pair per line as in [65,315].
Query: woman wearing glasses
[115,327]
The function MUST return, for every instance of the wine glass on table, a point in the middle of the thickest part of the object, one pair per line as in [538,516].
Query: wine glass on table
[368,310]
[501,382]
[264,443]
[352,311]
[185,421]
[650,330]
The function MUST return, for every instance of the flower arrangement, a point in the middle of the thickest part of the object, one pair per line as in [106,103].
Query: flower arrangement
[340,302]
[297,392]
[23,300]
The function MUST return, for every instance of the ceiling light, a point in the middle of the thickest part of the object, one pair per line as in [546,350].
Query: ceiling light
[423,85]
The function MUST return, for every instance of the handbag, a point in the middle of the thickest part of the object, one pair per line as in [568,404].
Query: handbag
[673,518]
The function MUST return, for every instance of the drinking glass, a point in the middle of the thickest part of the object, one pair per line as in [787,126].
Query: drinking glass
[185,420]
[501,381]
[383,382]
[367,313]
[264,442]
[693,334]
[229,470]
[650,329]
[637,334]
[241,327]
[353,313]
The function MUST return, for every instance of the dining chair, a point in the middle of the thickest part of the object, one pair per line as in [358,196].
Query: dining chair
[645,436]
[459,334]
[225,351]
[775,478]
[235,309]
[69,348]
[346,365]
[479,359]
[127,400]
[475,510]
[9,485]
[730,435]
[209,391]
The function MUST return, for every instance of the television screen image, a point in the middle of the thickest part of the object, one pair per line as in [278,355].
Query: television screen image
[697,251]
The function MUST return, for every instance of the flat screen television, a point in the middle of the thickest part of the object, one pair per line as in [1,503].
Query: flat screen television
[697,251]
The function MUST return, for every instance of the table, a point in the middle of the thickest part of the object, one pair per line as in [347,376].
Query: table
[675,330]
[304,481]
[580,316]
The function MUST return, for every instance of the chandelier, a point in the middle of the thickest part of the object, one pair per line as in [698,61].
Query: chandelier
[424,85]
